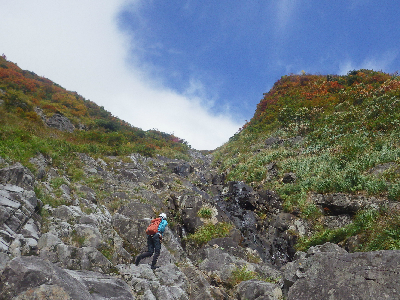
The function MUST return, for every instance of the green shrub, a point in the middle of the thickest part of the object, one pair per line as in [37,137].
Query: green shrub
[378,230]
[16,100]
[385,234]
[76,174]
[107,249]
[205,213]
[56,182]
[208,232]
[394,192]
[47,199]
[240,274]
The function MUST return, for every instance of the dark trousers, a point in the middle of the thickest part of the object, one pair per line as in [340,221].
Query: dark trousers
[153,246]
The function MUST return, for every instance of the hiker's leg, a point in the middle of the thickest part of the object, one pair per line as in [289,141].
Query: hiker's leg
[150,250]
[157,249]
[150,244]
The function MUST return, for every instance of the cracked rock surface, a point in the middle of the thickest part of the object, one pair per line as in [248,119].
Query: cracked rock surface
[63,239]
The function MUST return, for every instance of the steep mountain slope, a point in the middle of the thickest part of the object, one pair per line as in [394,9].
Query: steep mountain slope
[314,134]
[314,170]
[32,105]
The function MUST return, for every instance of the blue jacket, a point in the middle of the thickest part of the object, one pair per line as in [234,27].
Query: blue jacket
[161,227]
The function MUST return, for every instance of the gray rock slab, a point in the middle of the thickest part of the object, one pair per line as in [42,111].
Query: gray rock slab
[103,286]
[9,203]
[258,290]
[17,175]
[349,276]
[170,275]
[44,291]
[48,240]
[27,273]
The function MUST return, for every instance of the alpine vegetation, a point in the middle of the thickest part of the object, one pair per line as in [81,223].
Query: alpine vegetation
[301,203]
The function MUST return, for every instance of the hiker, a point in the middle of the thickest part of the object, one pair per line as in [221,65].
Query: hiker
[154,238]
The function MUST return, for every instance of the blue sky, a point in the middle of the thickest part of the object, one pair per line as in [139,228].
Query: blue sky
[194,68]
[238,50]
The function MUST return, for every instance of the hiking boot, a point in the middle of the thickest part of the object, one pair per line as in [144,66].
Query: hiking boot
[137,261]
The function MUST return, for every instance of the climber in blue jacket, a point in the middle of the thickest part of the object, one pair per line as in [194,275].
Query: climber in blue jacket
[154,243]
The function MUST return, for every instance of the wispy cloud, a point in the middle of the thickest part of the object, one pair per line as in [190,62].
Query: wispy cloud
[285,10]
[78,45]
[381,63]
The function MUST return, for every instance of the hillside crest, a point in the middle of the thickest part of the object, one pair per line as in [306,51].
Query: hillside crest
[302,203]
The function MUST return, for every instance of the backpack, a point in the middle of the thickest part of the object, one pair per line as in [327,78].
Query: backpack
[153,227]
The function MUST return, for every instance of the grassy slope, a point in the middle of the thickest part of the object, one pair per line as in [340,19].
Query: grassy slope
[349,124]
[23,134]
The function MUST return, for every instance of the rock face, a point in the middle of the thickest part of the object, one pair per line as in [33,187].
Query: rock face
[57,121]
[60,122]
[258,290]
[30,277]
[80,239]
[19,222]
[339,203]
[329,275]
[17,175]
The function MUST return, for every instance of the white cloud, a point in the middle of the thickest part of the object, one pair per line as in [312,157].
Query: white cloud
[382,63]
[284,12]
[345,67]
[77,44]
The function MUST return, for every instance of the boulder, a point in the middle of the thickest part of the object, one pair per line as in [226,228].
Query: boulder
[379,169]
[133,231]
[289,178]
[17,175]
[74,258]
[4,259]
[34,278]
[170,275]
[60,122]
[258,290]
[242,194]
[41,164]
[272,141]
[26,274]
[229,245]
[166,282]
[19,222]
[281,234]
[269,200]
[333,222]
[181,168]
[89,193]
[68,213]
[103,286]
[294,270]
[190,206]
[44,291]
[341,203]
[218,264]
[136,211]
[327,247]
[272,171]
[90,235]
[218,179]
[48,240]
[199,286]
[345,276]
[132,175]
